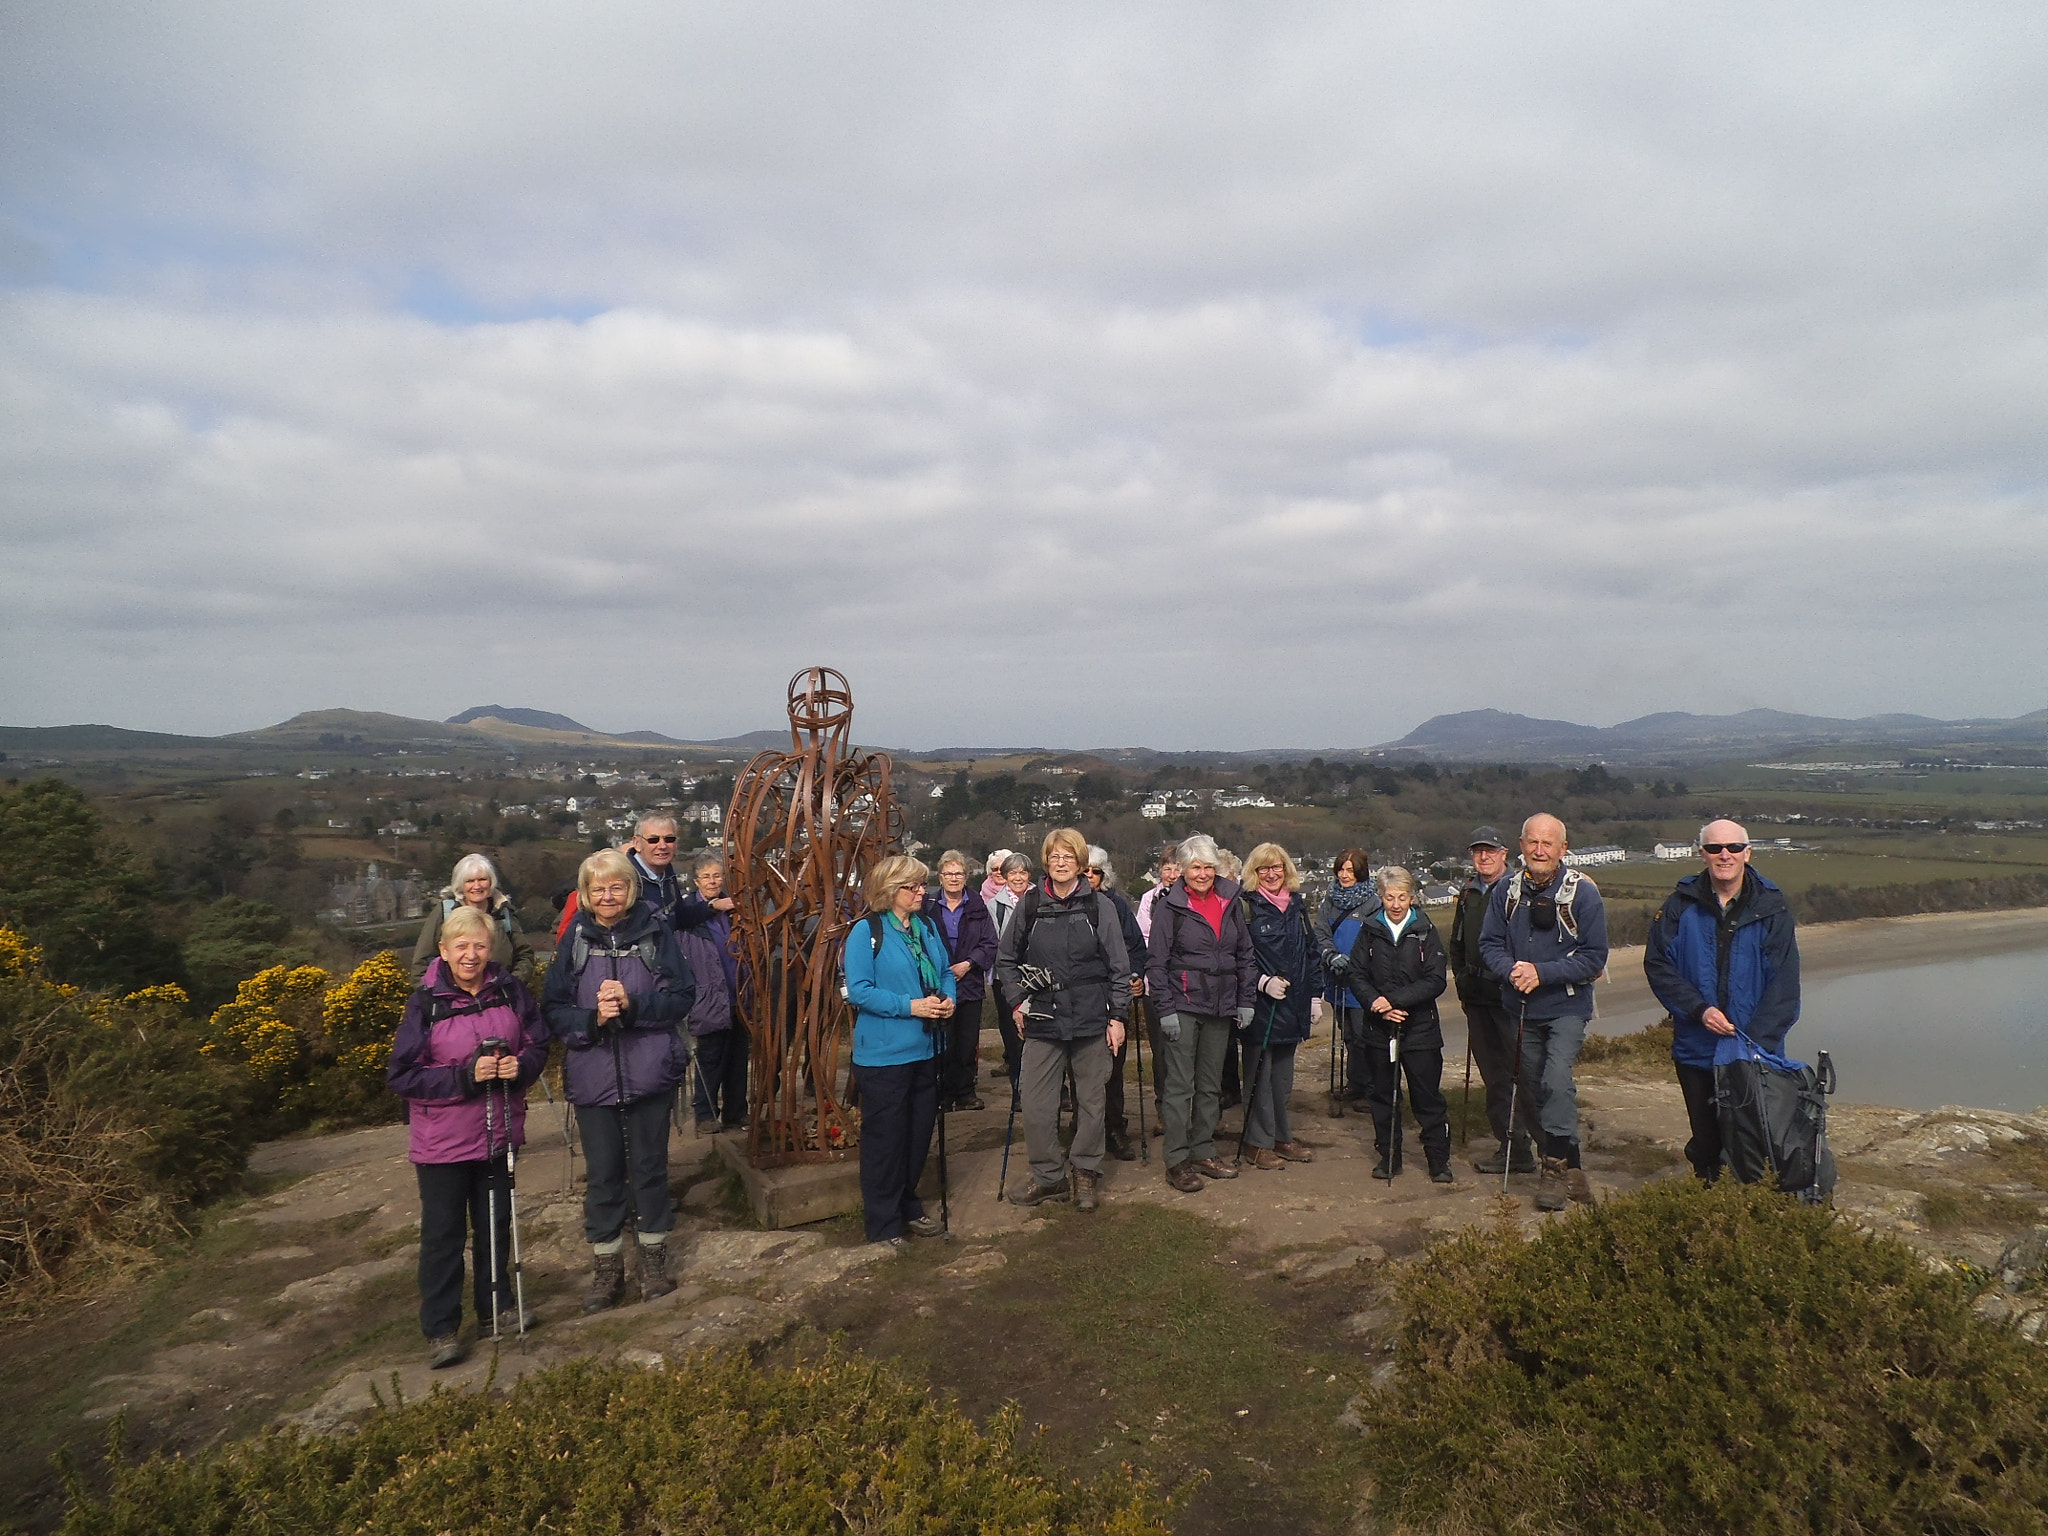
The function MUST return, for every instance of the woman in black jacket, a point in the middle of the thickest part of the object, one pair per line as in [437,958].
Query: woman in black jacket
[1398,971]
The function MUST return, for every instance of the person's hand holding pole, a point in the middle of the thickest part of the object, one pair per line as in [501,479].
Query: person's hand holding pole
[1523,977]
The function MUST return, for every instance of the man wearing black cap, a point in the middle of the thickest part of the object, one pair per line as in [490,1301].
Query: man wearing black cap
[1489,1028]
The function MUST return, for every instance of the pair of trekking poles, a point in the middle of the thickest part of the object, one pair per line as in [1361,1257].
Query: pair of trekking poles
[497,1095]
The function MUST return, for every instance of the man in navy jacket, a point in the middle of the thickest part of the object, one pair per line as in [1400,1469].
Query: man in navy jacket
[1545,940]
[1723,958]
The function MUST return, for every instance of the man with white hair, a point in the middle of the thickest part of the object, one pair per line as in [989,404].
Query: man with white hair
[1545,939]
[1723,957]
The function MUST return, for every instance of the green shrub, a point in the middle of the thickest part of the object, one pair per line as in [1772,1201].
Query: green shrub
[1695,1359]
[715,1445]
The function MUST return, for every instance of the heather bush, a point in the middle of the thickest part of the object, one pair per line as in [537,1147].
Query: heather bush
[1704,1359]
[715,1445]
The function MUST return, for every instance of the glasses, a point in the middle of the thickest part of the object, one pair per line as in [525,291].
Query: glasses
[1724,847]
[911,885]
[651,837]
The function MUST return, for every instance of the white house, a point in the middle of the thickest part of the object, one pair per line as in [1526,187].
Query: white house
[1675,851]
[1605,853]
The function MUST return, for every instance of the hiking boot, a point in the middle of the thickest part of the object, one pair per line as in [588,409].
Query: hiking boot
[1119,1147]
[1031,1192]
[508,1322]
[1267,1160]
[1578,1186]
[1158,1128]
[1551,1189]
[925,1226]
[1497,1161]
[654,1276]
[1440,1173]
[893,1244]
[1209,1168]
[607,1283]
[1388,1166]
[1182,1176]
[968,1103]
[1294,1152]
[444,1352]
[706,1126]
[1083,1183]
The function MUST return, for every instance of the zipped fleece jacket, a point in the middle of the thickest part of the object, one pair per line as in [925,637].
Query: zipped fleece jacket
[881,986]
[433,1063]
[1408,972]
[1284,944]
[1744,961]
[1091,968]
[976,944]
[1565,966]
[643,1051]
[1476,984]
[1189,967]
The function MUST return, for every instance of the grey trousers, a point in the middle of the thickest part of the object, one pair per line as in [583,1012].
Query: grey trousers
[1550,1049]
[1193,1070]
[1265,1116]
[1491,1029]
[1045,1068]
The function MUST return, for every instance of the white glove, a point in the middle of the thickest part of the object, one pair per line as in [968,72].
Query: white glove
[1169,1027]
[1315,1010]
[1274,987]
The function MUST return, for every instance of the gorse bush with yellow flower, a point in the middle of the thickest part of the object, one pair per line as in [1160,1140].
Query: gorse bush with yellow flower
[316,1047]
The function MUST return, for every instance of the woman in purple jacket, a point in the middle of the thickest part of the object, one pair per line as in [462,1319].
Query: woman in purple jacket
[963,920]
[618,993]
[704,932]
[470,1043]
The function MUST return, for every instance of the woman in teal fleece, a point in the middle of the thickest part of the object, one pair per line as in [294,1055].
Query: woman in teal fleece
[900,983]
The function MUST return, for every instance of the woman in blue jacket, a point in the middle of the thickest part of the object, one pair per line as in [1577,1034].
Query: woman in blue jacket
[900,982]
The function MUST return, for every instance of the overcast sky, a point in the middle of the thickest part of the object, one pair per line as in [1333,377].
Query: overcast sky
[1177,374]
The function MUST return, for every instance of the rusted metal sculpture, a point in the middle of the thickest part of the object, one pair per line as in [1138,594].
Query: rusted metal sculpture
[804,829]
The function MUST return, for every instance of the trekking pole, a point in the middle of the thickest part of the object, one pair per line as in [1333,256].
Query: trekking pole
[1251,1093]
[491,1210]
[1393,1157]
[512,1202]
[1515,1089]
[1138,1046]
[939,1043]
[1008,1136]
[1465,1114]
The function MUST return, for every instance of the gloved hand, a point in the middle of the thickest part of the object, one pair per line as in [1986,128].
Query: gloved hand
[1274,987]
[1337,962]
[1169,1027]
[1316,1010]
[1244,1018]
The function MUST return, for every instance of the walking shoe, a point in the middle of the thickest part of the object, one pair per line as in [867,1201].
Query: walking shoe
[1294,1151]
[508,1322]
[893,1244]
[1084,1183]
[607,1282]
[654,1275]
[1440,1173]
[444,1352]
[1209,1168]
[1182,1176]
[1030,1192]
[1388,1166]
[706,1126]
[1551,1190]
[925,1226]
[1578,1186]
[1267,1160]
[970,1102]
[1119,1147]
[1524,1158]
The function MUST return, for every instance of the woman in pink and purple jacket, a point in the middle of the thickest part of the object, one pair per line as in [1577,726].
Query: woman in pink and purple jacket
[471,1041]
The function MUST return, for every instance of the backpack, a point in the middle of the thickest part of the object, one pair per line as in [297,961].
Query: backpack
[1567,892]
[875,930]
[647,947]
[1774,1117]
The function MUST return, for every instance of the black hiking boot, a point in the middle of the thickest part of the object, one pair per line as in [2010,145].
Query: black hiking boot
[1440,1172]
[655,1280]
[1497,1161]
[1119,1147]
[607,1283]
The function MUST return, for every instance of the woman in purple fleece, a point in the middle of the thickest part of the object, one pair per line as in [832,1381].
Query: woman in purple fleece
[471,1041]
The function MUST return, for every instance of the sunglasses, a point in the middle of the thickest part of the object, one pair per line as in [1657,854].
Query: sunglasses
[654,838]
[1724,847]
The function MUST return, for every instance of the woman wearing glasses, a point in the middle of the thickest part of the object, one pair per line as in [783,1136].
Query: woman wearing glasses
[900,982]
[1289,1005]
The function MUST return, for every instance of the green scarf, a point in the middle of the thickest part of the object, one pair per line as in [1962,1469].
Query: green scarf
[927,972]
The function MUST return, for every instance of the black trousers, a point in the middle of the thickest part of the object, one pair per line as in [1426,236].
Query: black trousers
[1357,1054]
[1114,1121]
[1013,1043]
[898,1108]
[455,1205]
[1704,1150]
[1491,1028]
[1424,1068]
[963,1051]
[722,1074]
[626,1153]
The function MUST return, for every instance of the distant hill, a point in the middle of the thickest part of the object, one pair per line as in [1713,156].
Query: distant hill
[28,740]
[539,719]
[1493,735]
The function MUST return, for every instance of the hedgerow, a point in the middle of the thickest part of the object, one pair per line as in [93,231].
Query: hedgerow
[1696,1359]
[713,1447]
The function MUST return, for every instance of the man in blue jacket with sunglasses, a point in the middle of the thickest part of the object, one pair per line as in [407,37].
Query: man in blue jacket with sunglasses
[1723,958]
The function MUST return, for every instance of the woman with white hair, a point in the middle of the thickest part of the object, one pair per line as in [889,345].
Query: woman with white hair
[1016,873]
[1289,1006]
[474,883]
[1398,971]
[1201,975]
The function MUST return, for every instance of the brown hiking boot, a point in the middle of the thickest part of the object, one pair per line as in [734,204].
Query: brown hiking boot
[1182,1176]
[1267,1160]
[654,1275]
[444,1352]
[1579,1186]
[607,1283]
[1209,1168]
[1030,1192]
[1084,1183]
[1551,1189]
[1294,1151]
